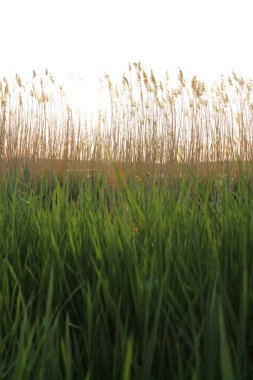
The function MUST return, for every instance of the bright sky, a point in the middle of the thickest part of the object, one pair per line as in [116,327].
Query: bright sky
[91,37]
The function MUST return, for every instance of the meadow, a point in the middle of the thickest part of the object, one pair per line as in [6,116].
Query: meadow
[126,239]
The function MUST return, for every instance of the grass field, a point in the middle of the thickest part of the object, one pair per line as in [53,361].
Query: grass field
[127,253]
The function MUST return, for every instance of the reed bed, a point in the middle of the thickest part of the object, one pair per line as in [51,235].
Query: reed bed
[146,124]
[126,239]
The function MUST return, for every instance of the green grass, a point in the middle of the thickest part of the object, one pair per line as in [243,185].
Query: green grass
[146,281]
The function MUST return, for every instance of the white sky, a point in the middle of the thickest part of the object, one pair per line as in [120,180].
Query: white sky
[91,37]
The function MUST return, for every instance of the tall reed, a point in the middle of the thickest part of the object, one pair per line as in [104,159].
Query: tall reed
[147,123]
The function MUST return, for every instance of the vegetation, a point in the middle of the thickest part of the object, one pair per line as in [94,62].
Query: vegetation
[146,122]
[126,252]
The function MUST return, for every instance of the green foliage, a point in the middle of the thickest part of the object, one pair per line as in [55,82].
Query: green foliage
[146,281]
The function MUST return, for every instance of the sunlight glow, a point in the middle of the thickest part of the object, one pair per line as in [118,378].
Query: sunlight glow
[91,38]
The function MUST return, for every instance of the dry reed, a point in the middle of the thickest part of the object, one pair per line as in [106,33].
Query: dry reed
[149,127]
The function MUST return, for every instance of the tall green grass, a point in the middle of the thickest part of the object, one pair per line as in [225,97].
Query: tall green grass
[152,280]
